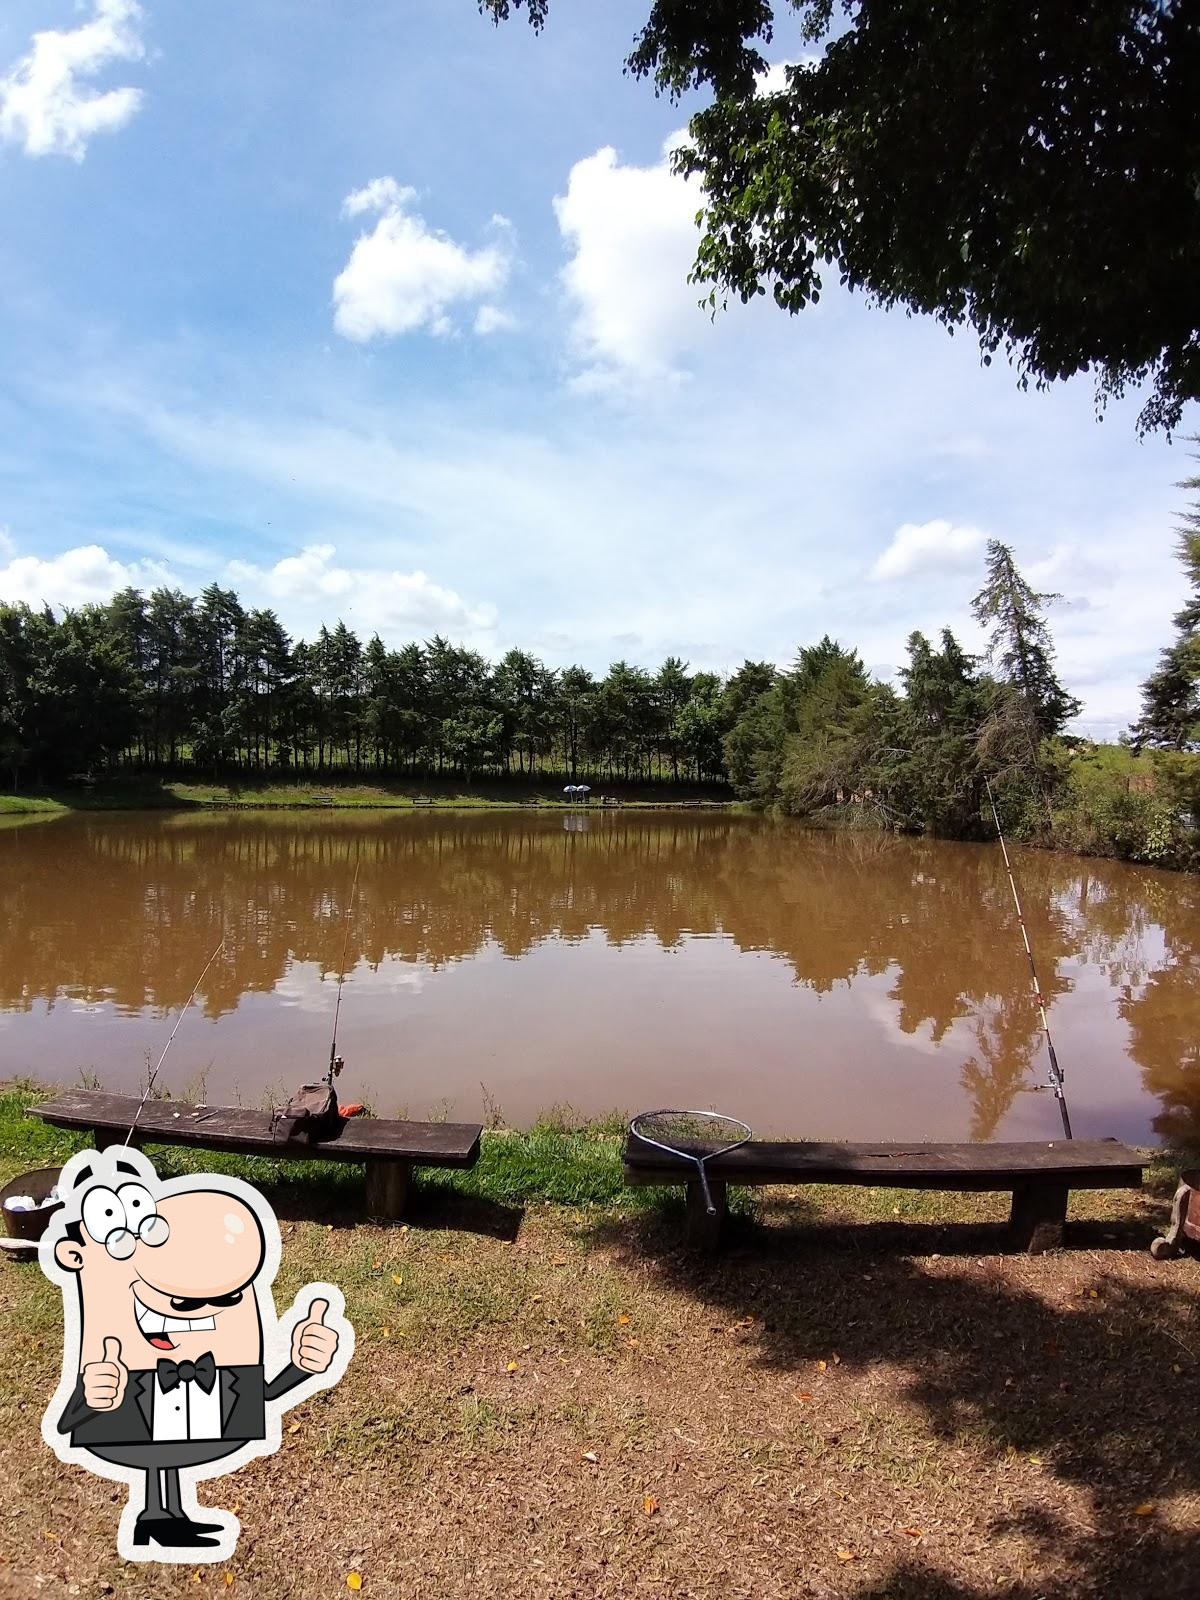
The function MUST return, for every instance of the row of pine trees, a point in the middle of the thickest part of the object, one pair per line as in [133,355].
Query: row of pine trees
[173,684]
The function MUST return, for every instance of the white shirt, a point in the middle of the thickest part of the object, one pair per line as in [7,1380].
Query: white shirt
[186,1412]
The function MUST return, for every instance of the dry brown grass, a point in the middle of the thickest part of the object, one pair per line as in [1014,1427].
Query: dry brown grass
[884,1410]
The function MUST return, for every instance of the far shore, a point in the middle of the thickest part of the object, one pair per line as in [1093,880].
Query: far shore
[335,795]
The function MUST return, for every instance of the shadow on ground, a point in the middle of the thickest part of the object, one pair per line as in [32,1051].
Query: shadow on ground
[1088,1358]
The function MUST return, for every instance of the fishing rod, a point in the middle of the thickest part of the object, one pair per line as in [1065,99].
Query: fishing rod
[150,1079]
[1057,1083]
[335,1063]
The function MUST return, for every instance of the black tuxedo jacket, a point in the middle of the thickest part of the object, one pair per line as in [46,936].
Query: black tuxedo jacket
[243,1396]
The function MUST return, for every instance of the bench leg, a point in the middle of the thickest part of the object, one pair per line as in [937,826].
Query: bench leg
[387,1188]
[704,1232]
[105,1138]
[1039,1211]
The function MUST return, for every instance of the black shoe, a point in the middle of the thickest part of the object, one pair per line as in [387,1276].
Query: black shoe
[175,1533]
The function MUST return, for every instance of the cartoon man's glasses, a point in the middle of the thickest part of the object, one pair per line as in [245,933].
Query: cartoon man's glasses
[117,1220]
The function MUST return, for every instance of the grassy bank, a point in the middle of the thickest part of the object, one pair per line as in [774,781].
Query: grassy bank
[865,1397]
[177,795]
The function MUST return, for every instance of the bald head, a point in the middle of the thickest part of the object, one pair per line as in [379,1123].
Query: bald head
[192,1292]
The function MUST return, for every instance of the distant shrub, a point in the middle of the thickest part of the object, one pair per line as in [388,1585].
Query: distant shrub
[1133,807]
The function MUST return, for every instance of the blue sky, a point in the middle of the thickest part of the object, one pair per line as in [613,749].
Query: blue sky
[380,312]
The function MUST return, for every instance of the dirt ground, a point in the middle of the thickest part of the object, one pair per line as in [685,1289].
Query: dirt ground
[564,1403]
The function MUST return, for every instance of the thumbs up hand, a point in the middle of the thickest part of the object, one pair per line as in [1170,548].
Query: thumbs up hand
[313,1344]
[104,1381]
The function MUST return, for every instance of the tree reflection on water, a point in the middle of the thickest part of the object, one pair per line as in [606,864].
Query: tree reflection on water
[125,911]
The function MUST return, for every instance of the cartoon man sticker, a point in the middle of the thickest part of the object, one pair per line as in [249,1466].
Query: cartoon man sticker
[169,1333]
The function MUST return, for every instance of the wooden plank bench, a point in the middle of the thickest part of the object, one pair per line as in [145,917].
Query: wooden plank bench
[388,1150]
[1039,1176]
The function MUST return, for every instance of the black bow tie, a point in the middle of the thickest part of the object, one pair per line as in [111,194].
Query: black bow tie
[202,1371]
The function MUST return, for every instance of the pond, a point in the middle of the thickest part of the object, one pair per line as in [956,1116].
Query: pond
[817,984]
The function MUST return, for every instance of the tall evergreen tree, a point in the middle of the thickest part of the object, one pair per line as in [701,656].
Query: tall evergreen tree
[1020,645]
[1171,694]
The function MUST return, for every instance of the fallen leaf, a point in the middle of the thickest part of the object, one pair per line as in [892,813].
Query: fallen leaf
[650,1505]
[511,1367]
[624,1319]
[590,1455]
[387,1333]
[295,1428]
[803,1394]
[559,1261]
[1093,1294]
[1146,1509]
[375,1266]
[845,1555]
[229,1580]
[397,1279]
[1176,1368]
[837,1360]
[1037,1460]
[354,1581]
[46,1534]
[913,1533]
[822,1366]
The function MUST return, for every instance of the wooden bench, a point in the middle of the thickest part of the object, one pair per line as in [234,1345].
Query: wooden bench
[1039,1176]
[388,1150]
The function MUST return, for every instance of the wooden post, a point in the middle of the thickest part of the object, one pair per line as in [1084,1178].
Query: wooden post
[1039,1211]
[387,1188]
[704,1232]
[1183,1232]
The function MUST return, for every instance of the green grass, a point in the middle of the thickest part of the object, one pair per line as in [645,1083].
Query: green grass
[22,805]
[332,793]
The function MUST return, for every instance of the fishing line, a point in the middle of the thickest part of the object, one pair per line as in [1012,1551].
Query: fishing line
[1056,1076]
[167,1046]
[333,1063]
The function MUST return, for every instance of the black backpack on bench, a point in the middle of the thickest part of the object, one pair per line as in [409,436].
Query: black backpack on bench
[312,1112]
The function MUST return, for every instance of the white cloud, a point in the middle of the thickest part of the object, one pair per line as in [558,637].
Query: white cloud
[492,319]
[312,589]
[45,105]
[404,275]
[937,546]
[632,234]
[774,78]
[7,547]
[82,576]
[381,194]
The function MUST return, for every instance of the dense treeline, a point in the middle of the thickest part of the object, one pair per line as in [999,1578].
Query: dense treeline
[171,684]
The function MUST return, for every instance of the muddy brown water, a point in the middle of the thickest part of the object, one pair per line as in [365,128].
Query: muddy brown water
[816,984]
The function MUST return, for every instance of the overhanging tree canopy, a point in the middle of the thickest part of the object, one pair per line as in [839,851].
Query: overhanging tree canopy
[1028,167]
